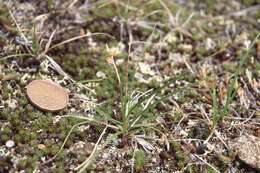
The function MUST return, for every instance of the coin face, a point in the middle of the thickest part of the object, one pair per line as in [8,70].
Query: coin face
[47,95]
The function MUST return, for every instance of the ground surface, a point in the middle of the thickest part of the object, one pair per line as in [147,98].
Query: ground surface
[199,56]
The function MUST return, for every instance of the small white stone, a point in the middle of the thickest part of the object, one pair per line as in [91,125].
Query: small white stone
[100,74]
[186,47]
[9,143]
[154,160]
[210,44]
[171,38]
[12,103]
[119,61]
[146,69]
[148,57]
[105,156]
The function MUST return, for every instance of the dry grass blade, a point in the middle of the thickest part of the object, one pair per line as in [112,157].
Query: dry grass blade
[17,25]
[79,37]
[146,145]
[245,11]
[20,31]
[57,67]
[16,55]
[91,121]
[133,158]
[217,171]
[64,142]
[171,18]
[49,42]
[82,167]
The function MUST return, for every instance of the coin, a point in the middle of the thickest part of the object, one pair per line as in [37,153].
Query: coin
[47,95]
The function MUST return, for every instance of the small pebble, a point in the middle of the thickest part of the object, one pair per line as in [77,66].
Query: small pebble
[100,74]
[9,143]
[41,146]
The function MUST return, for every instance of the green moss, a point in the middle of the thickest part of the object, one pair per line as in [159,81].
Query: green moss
[248,2]
[4,138]
[17,138]
[53,150]
[179,154]
[21,164]
[230,67]
[28,164]
[197,36]
[139,160]
[5,95]
[193,169]
[4,114]
[6,130]
[200,51]
[59,169]
[23,101]
[50,4]
[108,11]
[5,20]
[210,170]
[258,14]
[210,3]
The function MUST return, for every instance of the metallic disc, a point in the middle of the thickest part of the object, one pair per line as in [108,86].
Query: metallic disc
[47,95]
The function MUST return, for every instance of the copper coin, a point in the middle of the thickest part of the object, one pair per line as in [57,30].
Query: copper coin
[47,95]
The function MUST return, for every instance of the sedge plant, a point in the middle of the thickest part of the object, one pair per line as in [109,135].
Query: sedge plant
[218,111]
[132,107]
[134,117]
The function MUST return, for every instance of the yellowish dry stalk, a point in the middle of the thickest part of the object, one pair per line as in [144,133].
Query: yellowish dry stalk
[110,60]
